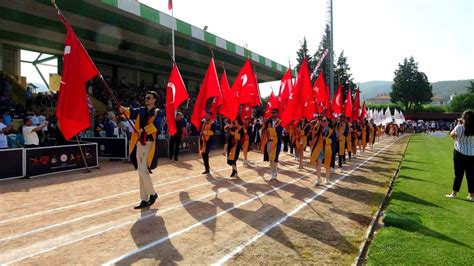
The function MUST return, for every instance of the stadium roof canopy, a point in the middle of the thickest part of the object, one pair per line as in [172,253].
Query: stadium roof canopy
[125,33]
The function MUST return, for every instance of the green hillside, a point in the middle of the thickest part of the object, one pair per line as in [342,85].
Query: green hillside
[371,89]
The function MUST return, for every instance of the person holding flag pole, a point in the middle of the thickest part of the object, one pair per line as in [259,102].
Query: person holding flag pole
[73,110]
[271,141]
[210,88]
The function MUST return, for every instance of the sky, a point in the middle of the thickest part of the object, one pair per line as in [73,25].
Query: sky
[376,35]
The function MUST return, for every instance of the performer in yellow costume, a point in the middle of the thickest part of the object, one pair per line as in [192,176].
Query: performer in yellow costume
[234,144]
[271,141]
[321,149]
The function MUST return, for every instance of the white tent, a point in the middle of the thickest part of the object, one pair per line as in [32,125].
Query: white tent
[387,117]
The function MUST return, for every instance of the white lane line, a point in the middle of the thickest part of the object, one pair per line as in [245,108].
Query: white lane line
[104,198]
[111,228]
[268,228]
[52,226]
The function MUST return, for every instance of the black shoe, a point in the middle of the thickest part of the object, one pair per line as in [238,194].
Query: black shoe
[233,173]
[152,199]
[143,204]
[205,172]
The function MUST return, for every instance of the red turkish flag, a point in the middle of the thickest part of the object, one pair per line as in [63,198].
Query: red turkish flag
[209,88]
[170,4]
[230,103]
[286,86]
[246,111]
[337,101]
[348,105]
[356,105]
[72,110]
[272,103]
[246,87]
[175,95]
[363,113]
[218,101]
[299,96]
[321,94]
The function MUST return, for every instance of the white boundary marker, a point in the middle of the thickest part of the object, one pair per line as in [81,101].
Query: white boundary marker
[208,219]
[268,228]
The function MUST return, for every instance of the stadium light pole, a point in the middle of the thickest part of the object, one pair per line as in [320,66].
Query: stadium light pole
[331,50]
[172,33]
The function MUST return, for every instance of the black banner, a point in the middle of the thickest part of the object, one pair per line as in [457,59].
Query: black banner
[115,148]
[55,159]
[11,165]
[189,145]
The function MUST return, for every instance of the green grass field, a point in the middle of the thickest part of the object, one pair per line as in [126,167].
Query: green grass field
[421,225]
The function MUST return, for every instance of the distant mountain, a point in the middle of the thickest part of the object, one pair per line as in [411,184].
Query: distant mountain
[447,88]
[371,89]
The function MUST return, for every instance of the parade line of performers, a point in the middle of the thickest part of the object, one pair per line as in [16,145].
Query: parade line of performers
[325,139]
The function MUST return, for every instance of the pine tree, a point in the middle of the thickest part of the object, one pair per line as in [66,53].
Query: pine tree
[343,74]
[302,53]
[323,45]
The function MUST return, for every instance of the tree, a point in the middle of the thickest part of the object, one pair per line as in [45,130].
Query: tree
[463,102]
[303,53]
[471,87]
[343,74]
[323,45]
[410,86]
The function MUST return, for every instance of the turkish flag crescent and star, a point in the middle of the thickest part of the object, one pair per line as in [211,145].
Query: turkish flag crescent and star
[72,110]
[321,94]
[229,101]
[356,105]
[363,113]
[298,97]
[337,101]
[272,103]
[286,86]
[175,94]
[348,105]
[246,86]
[210,88]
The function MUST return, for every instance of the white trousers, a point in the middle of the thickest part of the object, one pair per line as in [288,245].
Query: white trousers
[273,165]
[146,186]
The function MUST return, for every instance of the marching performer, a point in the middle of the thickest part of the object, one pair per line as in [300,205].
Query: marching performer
[379,132]
[363,135]
[271,141]
[208,128]
[355,137]
[291,136]
[143,145]
[321,149]
[342,131]
[234,144]
[227,126]
[301,133]
[349,138]
[372,131]
[246,137]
